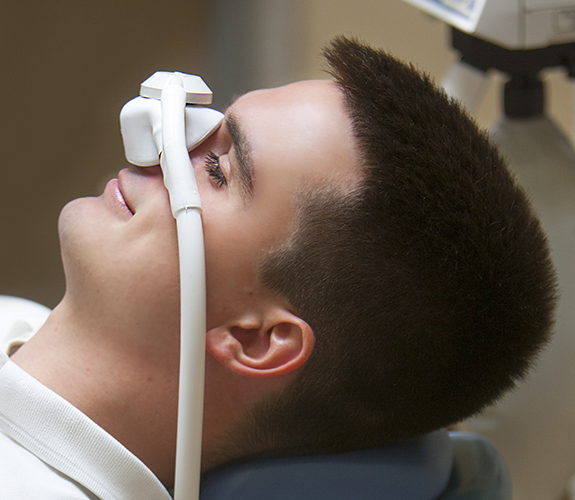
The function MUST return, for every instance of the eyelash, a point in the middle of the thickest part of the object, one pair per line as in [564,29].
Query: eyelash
[214,170]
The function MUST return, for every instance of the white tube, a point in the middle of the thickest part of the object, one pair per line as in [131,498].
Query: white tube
[186,206]
[192,355]
[178,171]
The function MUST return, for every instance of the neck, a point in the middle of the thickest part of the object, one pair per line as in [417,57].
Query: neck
[128,388]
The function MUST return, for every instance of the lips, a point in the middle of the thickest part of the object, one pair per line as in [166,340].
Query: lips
[118,196]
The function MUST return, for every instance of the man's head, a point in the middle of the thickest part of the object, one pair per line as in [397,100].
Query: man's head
[428,284]
[121,259]
[373,272]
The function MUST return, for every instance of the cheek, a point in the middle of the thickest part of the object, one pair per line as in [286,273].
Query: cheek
[229,256]
[117,264]
[144,260]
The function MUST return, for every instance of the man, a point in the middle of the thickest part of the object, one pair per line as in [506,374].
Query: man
[373,273]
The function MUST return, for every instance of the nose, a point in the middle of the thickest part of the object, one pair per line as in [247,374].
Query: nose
[155,170]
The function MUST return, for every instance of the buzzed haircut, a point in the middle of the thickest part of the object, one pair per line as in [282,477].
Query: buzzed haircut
[428,285]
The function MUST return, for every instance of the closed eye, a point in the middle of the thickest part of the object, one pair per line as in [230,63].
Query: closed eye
[214,170]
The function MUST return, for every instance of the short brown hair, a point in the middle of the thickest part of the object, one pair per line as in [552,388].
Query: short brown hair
[429,286]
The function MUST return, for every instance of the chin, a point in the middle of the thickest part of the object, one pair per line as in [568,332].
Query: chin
[84,238]
[85,223]
[72,216]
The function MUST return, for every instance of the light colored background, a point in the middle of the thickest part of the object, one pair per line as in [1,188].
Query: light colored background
[69,66]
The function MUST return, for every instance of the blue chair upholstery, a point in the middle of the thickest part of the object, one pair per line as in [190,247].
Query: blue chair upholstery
[479,471]
[460,466]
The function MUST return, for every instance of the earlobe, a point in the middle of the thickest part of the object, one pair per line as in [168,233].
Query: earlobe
[271,349]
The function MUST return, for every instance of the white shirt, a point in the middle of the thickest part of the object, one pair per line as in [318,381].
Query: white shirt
[50,450]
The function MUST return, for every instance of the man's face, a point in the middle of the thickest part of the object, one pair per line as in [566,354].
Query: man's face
[272,144]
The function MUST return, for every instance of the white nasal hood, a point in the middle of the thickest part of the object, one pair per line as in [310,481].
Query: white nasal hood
[141,126]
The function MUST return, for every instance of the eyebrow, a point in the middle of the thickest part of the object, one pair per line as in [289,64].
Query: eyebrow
[245,170]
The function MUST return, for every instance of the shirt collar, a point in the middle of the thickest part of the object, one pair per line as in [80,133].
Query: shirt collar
[65,438]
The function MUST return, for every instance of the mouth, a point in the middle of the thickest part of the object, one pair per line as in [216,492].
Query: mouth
[118,196]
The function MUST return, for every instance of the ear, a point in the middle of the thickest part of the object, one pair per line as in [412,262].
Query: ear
[257,347]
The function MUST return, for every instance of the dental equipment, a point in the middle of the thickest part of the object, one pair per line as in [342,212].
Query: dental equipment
[519,38]
[160,127]
[513,24]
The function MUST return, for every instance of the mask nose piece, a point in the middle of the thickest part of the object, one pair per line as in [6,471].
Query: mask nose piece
[141,118]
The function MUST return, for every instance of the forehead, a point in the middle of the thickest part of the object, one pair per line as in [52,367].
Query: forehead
[304,126]
[303,91]
[310,102]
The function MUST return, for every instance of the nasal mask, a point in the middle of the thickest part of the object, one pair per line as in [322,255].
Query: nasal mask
[161,127]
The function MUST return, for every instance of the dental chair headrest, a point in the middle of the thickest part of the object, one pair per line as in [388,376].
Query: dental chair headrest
[417,470]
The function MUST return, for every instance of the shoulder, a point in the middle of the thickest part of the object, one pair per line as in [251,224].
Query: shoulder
[23,476]
[19,320]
